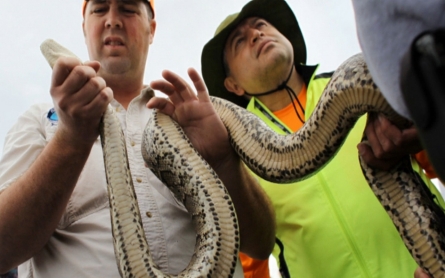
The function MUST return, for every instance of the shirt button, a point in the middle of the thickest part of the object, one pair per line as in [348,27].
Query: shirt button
[139,180]
[118,109]
[148,214]
[133,143]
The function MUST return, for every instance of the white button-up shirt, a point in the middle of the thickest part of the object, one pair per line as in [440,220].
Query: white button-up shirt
[81,246]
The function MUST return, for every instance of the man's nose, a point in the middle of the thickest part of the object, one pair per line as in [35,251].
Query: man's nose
[113,19]
[254,35]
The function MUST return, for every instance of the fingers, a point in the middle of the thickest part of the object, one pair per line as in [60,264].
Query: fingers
[93,64]
[168,89]
[199,84]
[174,87]
[406,140]
[387,144]
[381,136]
[71,75]
[419,273]
[390,134]
[97,106]
[78,124]
[163,105]
[367,154]
[387,140]
[62,69]
[184,91]
[80,96]
[178,90]
[94,88]
[80,86]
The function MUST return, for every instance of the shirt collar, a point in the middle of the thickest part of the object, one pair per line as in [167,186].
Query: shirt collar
[146,94]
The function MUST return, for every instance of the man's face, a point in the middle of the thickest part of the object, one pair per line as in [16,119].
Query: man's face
[256,54]
[118,34]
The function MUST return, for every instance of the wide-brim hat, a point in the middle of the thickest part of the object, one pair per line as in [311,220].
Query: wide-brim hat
[276,12]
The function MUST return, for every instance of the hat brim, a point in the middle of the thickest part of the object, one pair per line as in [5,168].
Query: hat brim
[279,14]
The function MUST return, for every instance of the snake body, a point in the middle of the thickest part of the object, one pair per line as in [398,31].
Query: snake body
[289,158]
[277,158]
[190,179]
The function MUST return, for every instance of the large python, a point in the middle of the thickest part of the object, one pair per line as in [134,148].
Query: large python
[277,158]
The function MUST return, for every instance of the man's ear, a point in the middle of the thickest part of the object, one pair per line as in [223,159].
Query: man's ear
[232,86]
[152,29]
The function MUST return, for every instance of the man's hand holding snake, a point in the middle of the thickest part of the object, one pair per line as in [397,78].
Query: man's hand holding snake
[80,98]
[387,144]
[195,114]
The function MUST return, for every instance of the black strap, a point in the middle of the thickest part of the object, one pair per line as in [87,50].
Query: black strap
[291,93]
[282,267]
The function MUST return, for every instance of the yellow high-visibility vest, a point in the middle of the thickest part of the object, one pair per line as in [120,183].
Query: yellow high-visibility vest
[331,224]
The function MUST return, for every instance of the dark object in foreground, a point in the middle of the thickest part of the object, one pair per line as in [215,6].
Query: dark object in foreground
[423,89]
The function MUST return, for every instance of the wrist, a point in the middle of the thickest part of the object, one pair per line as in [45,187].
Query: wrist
[72,145]
[227,164]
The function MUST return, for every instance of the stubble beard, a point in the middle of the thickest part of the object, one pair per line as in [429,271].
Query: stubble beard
[116,67]
[277,71]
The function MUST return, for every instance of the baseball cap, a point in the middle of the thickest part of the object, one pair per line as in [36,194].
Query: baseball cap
[150,2]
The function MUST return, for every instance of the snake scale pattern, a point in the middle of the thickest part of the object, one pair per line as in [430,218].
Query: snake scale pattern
[277,158]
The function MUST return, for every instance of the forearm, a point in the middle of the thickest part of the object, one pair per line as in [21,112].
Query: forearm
[255,214]
[32,206]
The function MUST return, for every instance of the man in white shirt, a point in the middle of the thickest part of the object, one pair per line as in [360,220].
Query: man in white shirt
[54,213]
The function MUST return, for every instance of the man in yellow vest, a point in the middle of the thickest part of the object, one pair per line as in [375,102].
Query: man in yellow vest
[331,224]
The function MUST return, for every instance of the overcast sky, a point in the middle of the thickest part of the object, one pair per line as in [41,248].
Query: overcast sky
[183,27]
